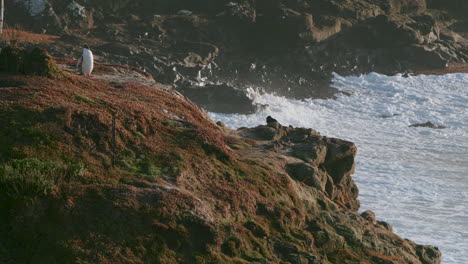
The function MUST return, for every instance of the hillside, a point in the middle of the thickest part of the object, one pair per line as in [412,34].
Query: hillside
[165,184]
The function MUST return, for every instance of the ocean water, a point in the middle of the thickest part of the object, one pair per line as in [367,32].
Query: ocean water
[414,178]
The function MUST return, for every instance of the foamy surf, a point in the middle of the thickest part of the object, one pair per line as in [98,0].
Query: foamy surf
[414,178]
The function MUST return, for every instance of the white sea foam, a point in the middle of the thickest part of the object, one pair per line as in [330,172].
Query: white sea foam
[414,178]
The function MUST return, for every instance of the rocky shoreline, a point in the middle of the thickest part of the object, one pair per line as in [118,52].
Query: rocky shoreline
[290,48]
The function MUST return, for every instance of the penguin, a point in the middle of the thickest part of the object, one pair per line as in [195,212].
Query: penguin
[87,61]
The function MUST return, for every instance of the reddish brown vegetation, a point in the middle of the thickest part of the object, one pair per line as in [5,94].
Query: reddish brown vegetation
[178,193]
[21,36]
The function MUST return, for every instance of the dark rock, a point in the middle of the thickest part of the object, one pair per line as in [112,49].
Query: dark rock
[339,161]
[220,98]
[429,125]
[428,254]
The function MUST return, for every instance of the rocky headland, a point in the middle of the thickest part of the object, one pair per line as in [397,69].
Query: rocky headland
[123,167]
[119,168]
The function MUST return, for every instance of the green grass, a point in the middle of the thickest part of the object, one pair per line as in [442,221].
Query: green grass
[29,178]
[83,99]
[157,166]
[21,127]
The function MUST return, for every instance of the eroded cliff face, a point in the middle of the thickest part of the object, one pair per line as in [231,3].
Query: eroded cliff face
[120,169]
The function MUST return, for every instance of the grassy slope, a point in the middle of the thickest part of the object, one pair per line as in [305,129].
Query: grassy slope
[178,193]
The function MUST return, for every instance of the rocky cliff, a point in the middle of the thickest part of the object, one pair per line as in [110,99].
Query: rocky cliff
[122,169]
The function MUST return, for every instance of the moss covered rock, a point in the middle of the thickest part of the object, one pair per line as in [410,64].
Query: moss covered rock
[34,62]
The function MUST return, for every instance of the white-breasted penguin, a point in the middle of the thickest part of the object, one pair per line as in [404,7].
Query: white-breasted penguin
[87,61]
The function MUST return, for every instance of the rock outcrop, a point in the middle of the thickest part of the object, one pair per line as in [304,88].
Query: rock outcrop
[317,161]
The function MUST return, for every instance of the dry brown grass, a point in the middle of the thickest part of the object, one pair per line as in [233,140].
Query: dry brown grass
[15,34]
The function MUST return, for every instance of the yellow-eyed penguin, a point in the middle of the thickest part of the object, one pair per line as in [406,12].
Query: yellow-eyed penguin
[87,61]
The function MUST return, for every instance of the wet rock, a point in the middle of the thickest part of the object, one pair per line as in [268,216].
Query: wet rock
[220,98]
[429,125]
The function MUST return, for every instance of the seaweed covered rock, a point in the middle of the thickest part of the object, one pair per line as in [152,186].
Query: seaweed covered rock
[36,61]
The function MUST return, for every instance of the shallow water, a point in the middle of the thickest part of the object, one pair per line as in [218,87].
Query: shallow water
[414,178]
